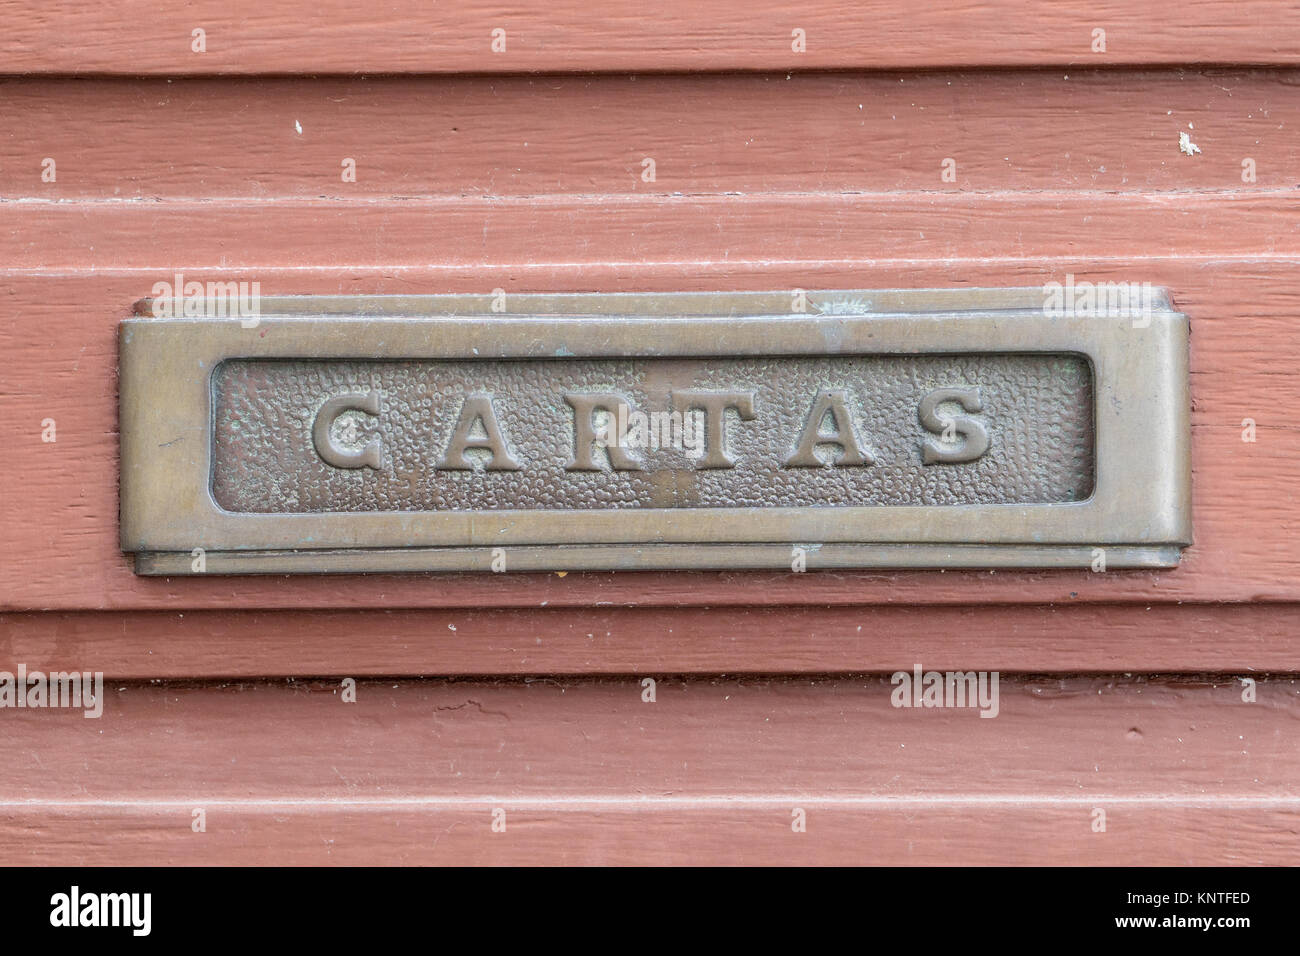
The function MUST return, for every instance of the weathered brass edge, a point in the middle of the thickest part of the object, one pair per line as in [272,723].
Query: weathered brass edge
[670,304]
[613,557]
[1139,511]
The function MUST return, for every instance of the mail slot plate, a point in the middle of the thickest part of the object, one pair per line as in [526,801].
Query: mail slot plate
[655,431]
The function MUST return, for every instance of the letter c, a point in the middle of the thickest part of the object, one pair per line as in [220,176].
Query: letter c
[330,452]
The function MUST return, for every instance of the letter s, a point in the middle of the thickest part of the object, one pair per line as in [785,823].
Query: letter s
[976,436]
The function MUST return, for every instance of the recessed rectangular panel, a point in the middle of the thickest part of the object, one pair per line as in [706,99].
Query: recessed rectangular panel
[959,428]
[1035,409]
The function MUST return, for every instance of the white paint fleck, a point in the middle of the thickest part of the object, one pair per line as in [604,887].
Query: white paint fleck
[1186,145]
[298,127]
[856,306]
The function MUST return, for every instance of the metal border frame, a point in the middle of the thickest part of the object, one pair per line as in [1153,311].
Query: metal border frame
[1139,509]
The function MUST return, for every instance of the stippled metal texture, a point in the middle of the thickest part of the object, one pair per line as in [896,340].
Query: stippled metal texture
[1037,410]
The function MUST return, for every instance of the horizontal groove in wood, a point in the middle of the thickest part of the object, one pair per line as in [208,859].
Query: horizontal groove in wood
[58,509]
[1184,768]
[1114,130]
[1230,638]
[293,36]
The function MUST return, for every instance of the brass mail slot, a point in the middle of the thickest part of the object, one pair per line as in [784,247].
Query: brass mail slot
[928,428]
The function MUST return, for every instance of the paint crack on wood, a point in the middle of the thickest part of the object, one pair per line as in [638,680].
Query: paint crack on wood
[472,703]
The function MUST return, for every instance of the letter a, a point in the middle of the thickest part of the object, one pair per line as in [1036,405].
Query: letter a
[832,404]
[478,408]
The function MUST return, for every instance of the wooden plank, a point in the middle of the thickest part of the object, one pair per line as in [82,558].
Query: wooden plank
[583,738]
[586,771]
[1242,639]
[1158,832]
[292,36]
[57,333]
[528,239]
[1113,130]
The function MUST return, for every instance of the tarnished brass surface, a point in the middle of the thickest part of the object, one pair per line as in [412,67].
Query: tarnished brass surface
[1037,410]
[953,428]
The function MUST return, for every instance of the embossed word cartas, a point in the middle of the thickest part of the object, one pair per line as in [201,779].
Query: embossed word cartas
[964,428]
